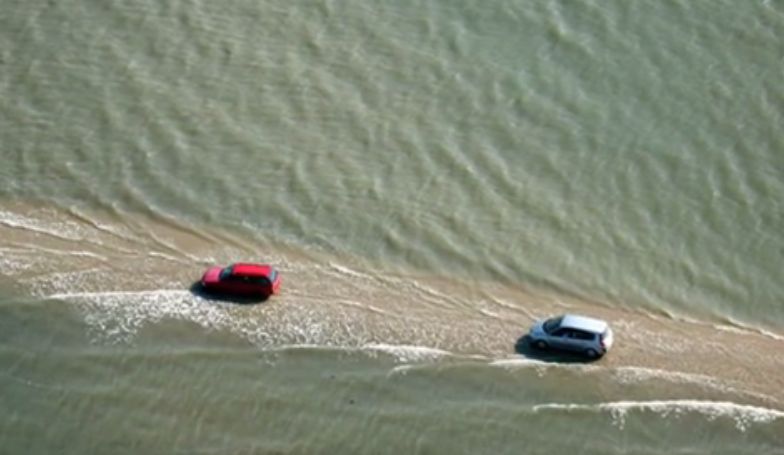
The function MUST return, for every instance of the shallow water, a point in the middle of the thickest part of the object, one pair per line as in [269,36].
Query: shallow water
[430,179]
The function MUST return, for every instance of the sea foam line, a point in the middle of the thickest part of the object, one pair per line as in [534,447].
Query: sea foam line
[403,353]
[408,353]
[633,374]
[150,293]
[739,327]
[64,231]
[117,315]
[743,415]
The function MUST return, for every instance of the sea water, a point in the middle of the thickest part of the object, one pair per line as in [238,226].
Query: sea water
[430,178]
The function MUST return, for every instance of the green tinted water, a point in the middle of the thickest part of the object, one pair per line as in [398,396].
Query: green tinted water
[618,153]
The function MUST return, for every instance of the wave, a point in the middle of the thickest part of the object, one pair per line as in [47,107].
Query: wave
[743,415]
[157,294]
[123,283]
[744,329]
[60,229]
[635,374]
[118,315]
[402,353]
[543,367]
[520,362]
[408,353]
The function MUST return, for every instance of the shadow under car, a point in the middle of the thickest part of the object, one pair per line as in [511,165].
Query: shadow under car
[198,290]
[524,347]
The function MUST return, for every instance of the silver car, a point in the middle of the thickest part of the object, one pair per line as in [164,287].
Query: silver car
[589,336]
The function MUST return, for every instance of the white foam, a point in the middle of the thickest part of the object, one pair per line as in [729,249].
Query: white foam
[167,257]
[401,370]
[633,374]
[746,329]
[541,367]
[306,346]
[61,230]
[343,270]
[743,415]
[402,284]
[489,313]
[116,316]
[639,374]
[518,362]
[15,265]
[732,329]
[38,249]
[363,306]
[118,231]
[408,353]
[770,334]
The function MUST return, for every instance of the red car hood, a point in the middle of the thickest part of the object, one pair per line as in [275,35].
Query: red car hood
[211,276]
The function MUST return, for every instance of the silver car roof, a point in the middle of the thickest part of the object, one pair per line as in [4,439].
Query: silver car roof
[573,321]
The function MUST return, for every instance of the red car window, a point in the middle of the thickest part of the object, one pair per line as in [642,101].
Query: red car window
[226,272]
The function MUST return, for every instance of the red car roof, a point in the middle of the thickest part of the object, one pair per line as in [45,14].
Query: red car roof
[251,269]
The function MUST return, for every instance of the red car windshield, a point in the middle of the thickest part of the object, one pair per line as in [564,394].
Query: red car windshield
[225,273]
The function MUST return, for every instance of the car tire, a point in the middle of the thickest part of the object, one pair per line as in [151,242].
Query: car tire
[592,353]
[540,344]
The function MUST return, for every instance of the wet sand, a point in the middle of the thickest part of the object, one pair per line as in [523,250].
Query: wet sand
[125,273]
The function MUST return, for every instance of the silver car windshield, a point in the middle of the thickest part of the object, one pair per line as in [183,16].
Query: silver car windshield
[551,324]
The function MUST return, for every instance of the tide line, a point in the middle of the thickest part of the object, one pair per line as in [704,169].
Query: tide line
[743,415]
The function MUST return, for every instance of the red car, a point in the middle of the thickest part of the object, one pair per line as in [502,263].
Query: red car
[242,279]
